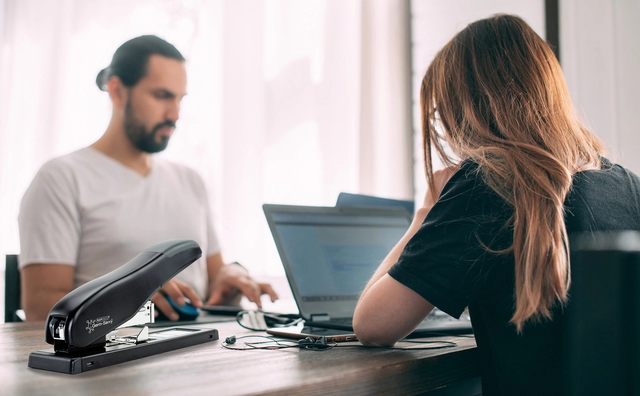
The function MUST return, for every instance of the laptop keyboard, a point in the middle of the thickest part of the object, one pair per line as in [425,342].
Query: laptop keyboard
[343,321]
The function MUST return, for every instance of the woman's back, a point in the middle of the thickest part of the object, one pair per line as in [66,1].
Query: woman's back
[469,218]
[495,238]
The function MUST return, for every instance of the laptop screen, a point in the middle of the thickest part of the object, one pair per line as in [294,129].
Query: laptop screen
[329,254]
[348,199]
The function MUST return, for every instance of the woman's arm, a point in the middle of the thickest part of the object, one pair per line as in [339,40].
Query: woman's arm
[388,310]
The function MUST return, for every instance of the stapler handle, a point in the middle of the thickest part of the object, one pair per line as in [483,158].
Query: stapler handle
[87,314]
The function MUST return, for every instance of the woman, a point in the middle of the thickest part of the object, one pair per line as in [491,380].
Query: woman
[492,234]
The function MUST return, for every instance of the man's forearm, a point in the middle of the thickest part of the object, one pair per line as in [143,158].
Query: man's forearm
[37,305]
[43,285]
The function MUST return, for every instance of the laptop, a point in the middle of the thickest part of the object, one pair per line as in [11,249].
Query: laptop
[349,199]
[330,253]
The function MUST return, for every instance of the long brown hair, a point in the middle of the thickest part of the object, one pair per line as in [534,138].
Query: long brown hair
[496,94]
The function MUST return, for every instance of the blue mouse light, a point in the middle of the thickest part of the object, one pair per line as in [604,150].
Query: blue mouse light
[186,312]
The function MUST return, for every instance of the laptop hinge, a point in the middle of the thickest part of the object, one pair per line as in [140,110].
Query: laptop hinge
[319,318]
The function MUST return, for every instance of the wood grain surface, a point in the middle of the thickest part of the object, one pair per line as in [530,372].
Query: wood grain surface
[211,369]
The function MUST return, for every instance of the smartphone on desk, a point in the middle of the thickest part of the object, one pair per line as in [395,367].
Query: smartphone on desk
[301,331]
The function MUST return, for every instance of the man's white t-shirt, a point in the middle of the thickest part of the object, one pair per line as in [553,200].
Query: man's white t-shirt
[88,210]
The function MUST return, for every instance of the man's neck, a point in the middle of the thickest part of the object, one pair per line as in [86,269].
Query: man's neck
[116,145]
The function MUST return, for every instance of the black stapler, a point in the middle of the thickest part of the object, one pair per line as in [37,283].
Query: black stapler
[83,325]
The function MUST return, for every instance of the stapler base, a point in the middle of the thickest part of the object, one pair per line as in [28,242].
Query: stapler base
[160,341]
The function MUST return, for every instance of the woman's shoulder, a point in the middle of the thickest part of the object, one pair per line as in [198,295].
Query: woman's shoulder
[467,180]
[467,195]
[609,171]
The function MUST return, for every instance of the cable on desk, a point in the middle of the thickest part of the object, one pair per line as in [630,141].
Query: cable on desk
[432,345]
[271,343]
[321,344]
[444,334]
[256,320]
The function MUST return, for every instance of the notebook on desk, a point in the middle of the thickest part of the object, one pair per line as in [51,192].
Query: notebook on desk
[330,253]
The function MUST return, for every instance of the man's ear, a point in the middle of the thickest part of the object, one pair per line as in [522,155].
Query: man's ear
[117,92]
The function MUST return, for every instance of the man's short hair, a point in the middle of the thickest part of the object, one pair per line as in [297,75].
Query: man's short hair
[130,60]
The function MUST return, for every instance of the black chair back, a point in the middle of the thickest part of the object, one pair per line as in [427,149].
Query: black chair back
[602,341]
[11,289]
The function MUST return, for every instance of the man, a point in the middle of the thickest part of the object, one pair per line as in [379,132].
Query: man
[88,212]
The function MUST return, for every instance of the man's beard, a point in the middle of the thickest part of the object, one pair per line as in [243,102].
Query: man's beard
[138,135]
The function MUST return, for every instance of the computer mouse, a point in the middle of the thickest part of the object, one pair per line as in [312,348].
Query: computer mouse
[186,312]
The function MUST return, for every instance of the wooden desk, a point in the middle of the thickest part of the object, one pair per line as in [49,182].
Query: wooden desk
[211,369]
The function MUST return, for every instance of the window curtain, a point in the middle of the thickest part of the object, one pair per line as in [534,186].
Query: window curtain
[288,101]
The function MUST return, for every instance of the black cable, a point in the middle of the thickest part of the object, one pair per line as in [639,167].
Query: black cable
[279,344]
[443,344]
[452,334]
[270,319]
[321,344]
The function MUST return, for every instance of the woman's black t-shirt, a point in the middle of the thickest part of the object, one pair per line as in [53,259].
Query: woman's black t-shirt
[450,262]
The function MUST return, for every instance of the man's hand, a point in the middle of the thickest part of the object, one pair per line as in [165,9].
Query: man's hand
[231,279]
[178,291]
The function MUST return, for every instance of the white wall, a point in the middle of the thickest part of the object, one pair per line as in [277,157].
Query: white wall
[600,55]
